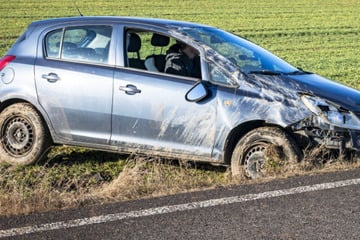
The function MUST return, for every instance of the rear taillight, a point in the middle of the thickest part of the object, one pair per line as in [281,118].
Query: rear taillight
[5,60]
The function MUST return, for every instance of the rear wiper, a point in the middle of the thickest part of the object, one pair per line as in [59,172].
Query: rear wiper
[265,72]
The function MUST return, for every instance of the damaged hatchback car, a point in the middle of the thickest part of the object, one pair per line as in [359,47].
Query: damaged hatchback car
[166,88]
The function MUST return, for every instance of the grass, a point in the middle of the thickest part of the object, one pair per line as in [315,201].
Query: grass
[318,36]
[74,177]
[315,35]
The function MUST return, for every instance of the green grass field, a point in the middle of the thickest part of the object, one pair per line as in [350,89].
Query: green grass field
[318,36]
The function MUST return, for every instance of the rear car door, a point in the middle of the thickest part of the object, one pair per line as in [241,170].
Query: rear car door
[74,81]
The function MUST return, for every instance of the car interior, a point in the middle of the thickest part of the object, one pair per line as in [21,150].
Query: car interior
[156,62]
[147,50]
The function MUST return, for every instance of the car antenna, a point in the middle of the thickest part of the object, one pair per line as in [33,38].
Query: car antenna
[77,8]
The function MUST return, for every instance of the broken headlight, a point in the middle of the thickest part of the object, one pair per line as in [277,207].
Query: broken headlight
[331,113]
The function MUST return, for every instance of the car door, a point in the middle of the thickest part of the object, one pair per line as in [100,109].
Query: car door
[74,81]
[150,113]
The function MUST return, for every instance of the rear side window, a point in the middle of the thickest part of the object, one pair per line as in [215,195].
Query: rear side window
[52,43]
[83,44]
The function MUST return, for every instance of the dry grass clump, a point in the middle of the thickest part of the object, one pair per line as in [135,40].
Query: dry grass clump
[77,177]
[151,177]
[323,159]
[80,178]
[314,160]
[31,193]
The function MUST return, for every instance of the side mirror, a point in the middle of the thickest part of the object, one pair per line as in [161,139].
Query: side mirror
[197,93]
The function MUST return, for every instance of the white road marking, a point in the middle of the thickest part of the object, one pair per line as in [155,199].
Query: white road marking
[172,208]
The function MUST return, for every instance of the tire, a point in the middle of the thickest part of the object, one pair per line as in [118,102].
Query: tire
[24,138]
[264,151]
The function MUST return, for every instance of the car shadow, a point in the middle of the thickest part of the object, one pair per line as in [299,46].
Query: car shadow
[77,156]
[81,156]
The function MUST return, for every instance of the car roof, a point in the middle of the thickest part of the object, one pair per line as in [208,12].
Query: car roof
[117,19]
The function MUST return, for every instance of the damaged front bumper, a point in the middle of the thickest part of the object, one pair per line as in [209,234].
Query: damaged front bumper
[330,125]
[314,131]
[354,140]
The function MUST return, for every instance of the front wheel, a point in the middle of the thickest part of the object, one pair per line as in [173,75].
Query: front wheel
[264,151]
[24,138]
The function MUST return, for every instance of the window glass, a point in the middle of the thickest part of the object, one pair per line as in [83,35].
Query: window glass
[155,52]
[52,43]
[217,75]
[245,55]
[142,45]
[85,43]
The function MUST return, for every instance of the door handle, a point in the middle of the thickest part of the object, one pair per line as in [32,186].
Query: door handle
[130,89]
[51,77]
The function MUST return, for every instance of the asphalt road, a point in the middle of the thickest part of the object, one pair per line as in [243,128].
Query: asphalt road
[325,206]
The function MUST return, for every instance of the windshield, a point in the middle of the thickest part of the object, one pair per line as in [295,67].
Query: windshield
[246,55]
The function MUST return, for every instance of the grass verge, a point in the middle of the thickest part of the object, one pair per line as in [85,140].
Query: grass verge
[76,177]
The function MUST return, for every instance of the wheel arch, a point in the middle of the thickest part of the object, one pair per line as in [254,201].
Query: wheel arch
[8,102]
[241,130]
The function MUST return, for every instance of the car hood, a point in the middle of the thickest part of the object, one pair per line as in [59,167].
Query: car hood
[345,96]
[290,86]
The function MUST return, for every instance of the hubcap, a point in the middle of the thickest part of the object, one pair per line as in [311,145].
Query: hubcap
[18,136]
[255,161]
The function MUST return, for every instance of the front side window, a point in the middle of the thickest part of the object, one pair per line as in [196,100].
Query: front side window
[156,52]
[217,75]
[84,44]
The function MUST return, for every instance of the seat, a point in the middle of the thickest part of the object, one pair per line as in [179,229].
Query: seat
[87,54]
[104,52]
[68,49]
[134,45]
[156,62]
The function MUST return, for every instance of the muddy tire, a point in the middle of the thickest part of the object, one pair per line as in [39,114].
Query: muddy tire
[24,137]
[264,151]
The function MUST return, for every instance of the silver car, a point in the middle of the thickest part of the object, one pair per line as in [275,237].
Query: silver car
[103,82]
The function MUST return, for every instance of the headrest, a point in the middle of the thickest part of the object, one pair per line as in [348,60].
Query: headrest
[158,40]
[134,43]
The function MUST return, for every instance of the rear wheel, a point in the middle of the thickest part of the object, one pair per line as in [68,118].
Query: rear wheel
[263,152]
[24,138]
